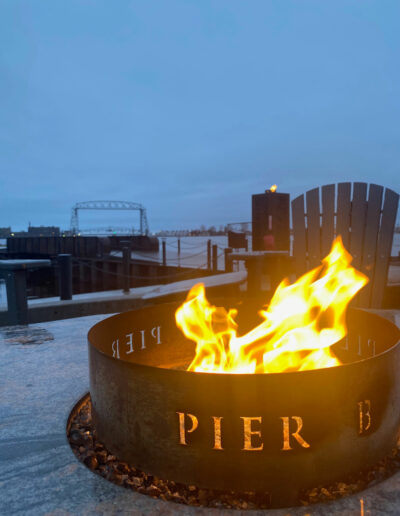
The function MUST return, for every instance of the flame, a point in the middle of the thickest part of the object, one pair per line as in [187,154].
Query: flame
[273,188]
[300,324]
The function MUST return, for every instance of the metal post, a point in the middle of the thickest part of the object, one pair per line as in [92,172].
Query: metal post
[81,276]
[16,297]
[228,261]
[214,258]
[100,278]
[164,253]
[107,275]
[179,246]
[126,265]
[93,276]
[65,276]
[254,272]
[209,255]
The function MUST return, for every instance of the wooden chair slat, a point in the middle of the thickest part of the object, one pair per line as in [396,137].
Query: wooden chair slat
[328,216]
[384,247]
[299,235]
[343,213]
[366,228]
[370,241]
[358,212]
[313,227]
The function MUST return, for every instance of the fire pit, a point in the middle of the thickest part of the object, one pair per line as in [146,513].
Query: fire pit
[277,433]
[297,395]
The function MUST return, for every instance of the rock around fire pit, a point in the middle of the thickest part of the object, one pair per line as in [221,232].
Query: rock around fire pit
[281,434]
[86,446]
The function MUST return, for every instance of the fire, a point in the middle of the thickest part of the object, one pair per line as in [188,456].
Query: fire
[273,188]
[300,324]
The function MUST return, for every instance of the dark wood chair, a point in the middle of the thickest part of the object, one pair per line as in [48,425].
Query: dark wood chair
[364,215]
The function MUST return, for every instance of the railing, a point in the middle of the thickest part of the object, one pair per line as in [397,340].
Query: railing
[15,274]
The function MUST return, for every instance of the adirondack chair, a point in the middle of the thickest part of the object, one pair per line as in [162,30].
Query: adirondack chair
[365,218]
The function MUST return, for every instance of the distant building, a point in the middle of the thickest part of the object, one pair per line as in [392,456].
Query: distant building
[33,231]
[5,232]
[43,231]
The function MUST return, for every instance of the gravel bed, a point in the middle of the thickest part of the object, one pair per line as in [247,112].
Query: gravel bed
[89,450]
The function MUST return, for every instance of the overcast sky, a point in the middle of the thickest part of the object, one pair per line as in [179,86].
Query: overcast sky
[189,107]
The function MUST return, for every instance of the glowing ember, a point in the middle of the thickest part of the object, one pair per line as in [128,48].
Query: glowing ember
[301,323]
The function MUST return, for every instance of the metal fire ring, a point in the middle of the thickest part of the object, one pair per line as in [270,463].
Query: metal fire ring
[277,433]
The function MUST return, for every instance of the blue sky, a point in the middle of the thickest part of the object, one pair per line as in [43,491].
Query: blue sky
[189,107]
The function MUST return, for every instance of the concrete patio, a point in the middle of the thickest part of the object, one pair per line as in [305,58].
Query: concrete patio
[43,372]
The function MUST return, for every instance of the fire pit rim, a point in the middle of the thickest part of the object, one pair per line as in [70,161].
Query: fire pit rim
[242,375]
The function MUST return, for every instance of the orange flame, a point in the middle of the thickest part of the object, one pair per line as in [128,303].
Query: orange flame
[273,188]
[301,323]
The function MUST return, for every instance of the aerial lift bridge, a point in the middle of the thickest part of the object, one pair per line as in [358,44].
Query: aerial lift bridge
[110,205]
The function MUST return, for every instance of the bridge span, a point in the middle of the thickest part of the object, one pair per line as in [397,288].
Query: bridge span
[110,205]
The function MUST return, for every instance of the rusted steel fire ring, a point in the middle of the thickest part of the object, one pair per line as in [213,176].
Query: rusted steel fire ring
[277,433]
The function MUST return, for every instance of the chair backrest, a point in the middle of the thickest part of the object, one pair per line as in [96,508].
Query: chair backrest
[364,215]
